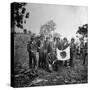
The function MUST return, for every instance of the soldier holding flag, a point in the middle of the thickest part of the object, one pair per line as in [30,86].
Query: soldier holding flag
[64,46]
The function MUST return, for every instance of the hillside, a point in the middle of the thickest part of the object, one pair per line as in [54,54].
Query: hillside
[65,75]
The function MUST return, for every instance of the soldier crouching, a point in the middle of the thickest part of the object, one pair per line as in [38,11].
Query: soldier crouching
[51,58]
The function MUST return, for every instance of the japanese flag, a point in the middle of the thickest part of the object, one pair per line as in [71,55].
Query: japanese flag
[63,54]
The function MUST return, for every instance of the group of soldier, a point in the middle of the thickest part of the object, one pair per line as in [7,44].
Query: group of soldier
[42,52]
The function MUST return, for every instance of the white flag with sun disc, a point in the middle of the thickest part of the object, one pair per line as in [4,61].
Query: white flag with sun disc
[63,54]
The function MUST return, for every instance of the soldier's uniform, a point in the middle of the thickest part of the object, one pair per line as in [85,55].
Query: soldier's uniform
[82,51]
[33,54]
[41,53]
[82,48]
[51,57]
[52,46]
[86,52]
[72,51]
[45,51]
[58,43]
[46,44]
[64,45]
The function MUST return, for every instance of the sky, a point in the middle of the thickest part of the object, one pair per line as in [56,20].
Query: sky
[67,18]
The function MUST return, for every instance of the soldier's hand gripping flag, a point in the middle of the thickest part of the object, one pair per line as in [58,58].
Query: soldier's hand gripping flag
[63,54]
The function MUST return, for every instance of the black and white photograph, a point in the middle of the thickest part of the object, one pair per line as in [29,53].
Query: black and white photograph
[49,44]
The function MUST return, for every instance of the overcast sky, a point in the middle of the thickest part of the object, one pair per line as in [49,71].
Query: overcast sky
[67,18]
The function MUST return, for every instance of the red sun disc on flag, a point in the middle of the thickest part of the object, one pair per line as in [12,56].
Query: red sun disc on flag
[63,54]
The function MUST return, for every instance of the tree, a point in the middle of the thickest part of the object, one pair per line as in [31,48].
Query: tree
[18,11]
[83,30]
[56,35]
[47,28]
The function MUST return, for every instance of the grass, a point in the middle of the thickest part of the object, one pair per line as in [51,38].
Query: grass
[24,77]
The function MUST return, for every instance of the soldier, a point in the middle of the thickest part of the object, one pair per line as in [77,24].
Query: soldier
[58,43]
[46,44]
[65,44]
[51,58]
[82,50]
[72,51]
[86,52]
[41,51]
[52,46]
[46,51]
[33,53]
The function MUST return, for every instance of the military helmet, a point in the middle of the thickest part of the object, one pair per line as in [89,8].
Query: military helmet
[72,39]
[32,37]
[47,38]
[65,38]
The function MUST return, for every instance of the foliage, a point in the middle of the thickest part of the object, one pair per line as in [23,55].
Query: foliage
[56,34]
[24,77]
[83,30]
[18,12]
[46,28]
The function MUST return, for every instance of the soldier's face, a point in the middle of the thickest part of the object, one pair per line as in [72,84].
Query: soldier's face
[65,41]
[47,39]
[72,41]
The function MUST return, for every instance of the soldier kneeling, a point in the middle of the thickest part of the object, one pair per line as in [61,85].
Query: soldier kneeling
[51,58]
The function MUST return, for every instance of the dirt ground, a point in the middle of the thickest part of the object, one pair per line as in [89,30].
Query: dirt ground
[24,77]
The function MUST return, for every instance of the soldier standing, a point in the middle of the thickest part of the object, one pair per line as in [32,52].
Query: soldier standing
[33,53]
[58,44]
[46,51]
[86,52]
[82,50]
[65,44]
[46,44]
[72,51]
[52,46]
[41,50]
